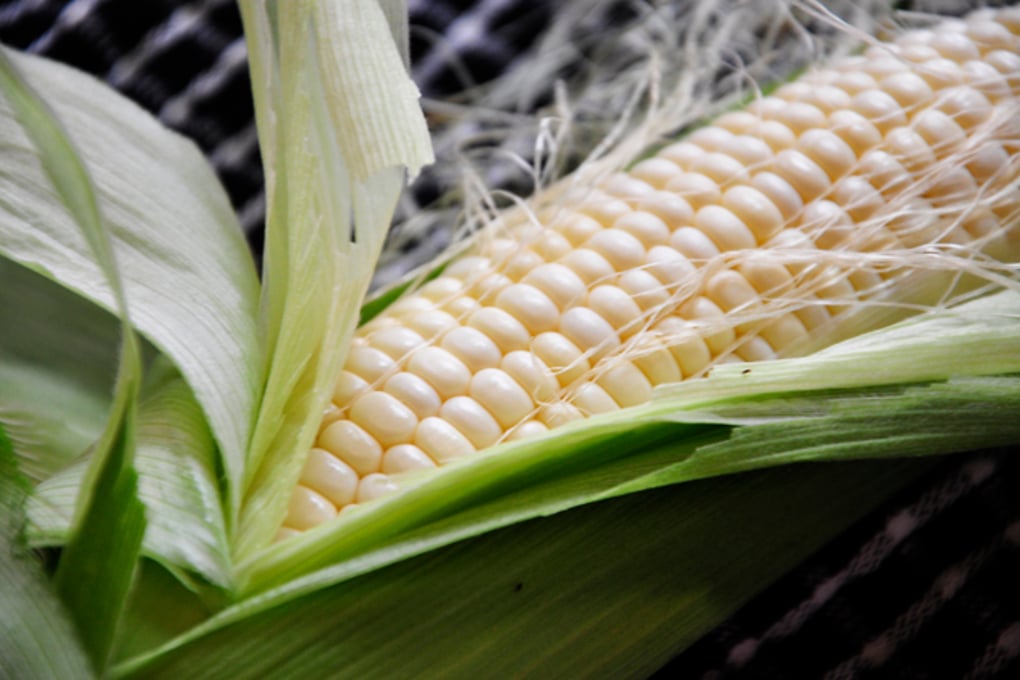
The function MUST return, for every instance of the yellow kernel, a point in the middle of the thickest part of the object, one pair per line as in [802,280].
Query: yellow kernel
[502,396]
[414,393]
[352,445]
[441,440]
[444,372]
[330,477]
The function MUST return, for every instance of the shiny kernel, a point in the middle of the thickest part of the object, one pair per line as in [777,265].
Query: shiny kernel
[396,341]
[646,290]
[670,208]
[558,414]
[657,171]
[414,393]
[710,137]
[694,244]
[405,458]
[527,429]
[443,371]
[802,173]
[695,188]
[330,477]
[589,265]
[988,162]
[375,486]
[687,347]
[884,172]
[606,210]
[909,89]
[800,117]
[468,267]
[780,192]
[855,82]
[589,332]
[626,384]
[858,132]
[578,228]
[384,417]
[737,122]
[710,321]
[785,332]
[472,347]
[668,265]
[880,108]
[719,167]
[308,509]
[955,46]
[682,154]
[730,291]
[657,363]
[966,105]
[910,149]
[564,359]
[352,445]
[776,135]
[858,198]
[530,306]
[645,227]
[623,186]
[441,288]
[749,150]
[431,323]
[551,245]
[441,440]
[369,363]
[564,287]
[501,327]
[591,399]
[532,374]
[348,386]
[755,210]
[502,396]
[620,249]
[725,229]
[941,73]
[471,420]
[986,78]
[830,152]
[616,306]
[755,349]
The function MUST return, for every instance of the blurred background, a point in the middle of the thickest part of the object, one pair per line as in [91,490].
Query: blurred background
[926,586]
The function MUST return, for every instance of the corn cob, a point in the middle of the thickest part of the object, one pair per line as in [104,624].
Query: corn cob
[655,275]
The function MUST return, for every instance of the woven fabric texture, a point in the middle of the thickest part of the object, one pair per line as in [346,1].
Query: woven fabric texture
[924,587]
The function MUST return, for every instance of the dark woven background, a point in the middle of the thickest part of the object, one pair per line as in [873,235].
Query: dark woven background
[928,586]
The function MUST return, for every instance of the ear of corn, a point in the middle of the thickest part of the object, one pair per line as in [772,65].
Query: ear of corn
[777,229]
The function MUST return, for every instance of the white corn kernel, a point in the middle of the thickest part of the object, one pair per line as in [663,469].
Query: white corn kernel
[725,229]
[308,509]
[591,399]
[440,369]
[530,306]
[560,283]
[384,417]
[589,332]
[616,306]
[626,384]
[532,374]
[501,395]
[348,386]
[620,249]
[441,440]
[330,477]
[395,341]
[352,445]
[414,393]
[501,327]
[405,458]
[563,357]
[472,347]
[375,486]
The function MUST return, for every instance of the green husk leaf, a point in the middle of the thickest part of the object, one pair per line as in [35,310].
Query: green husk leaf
[55,378]
[176,463]
[97,565]
[611,589]
[37,639]
[338,123]
[186,268]
[809,396]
